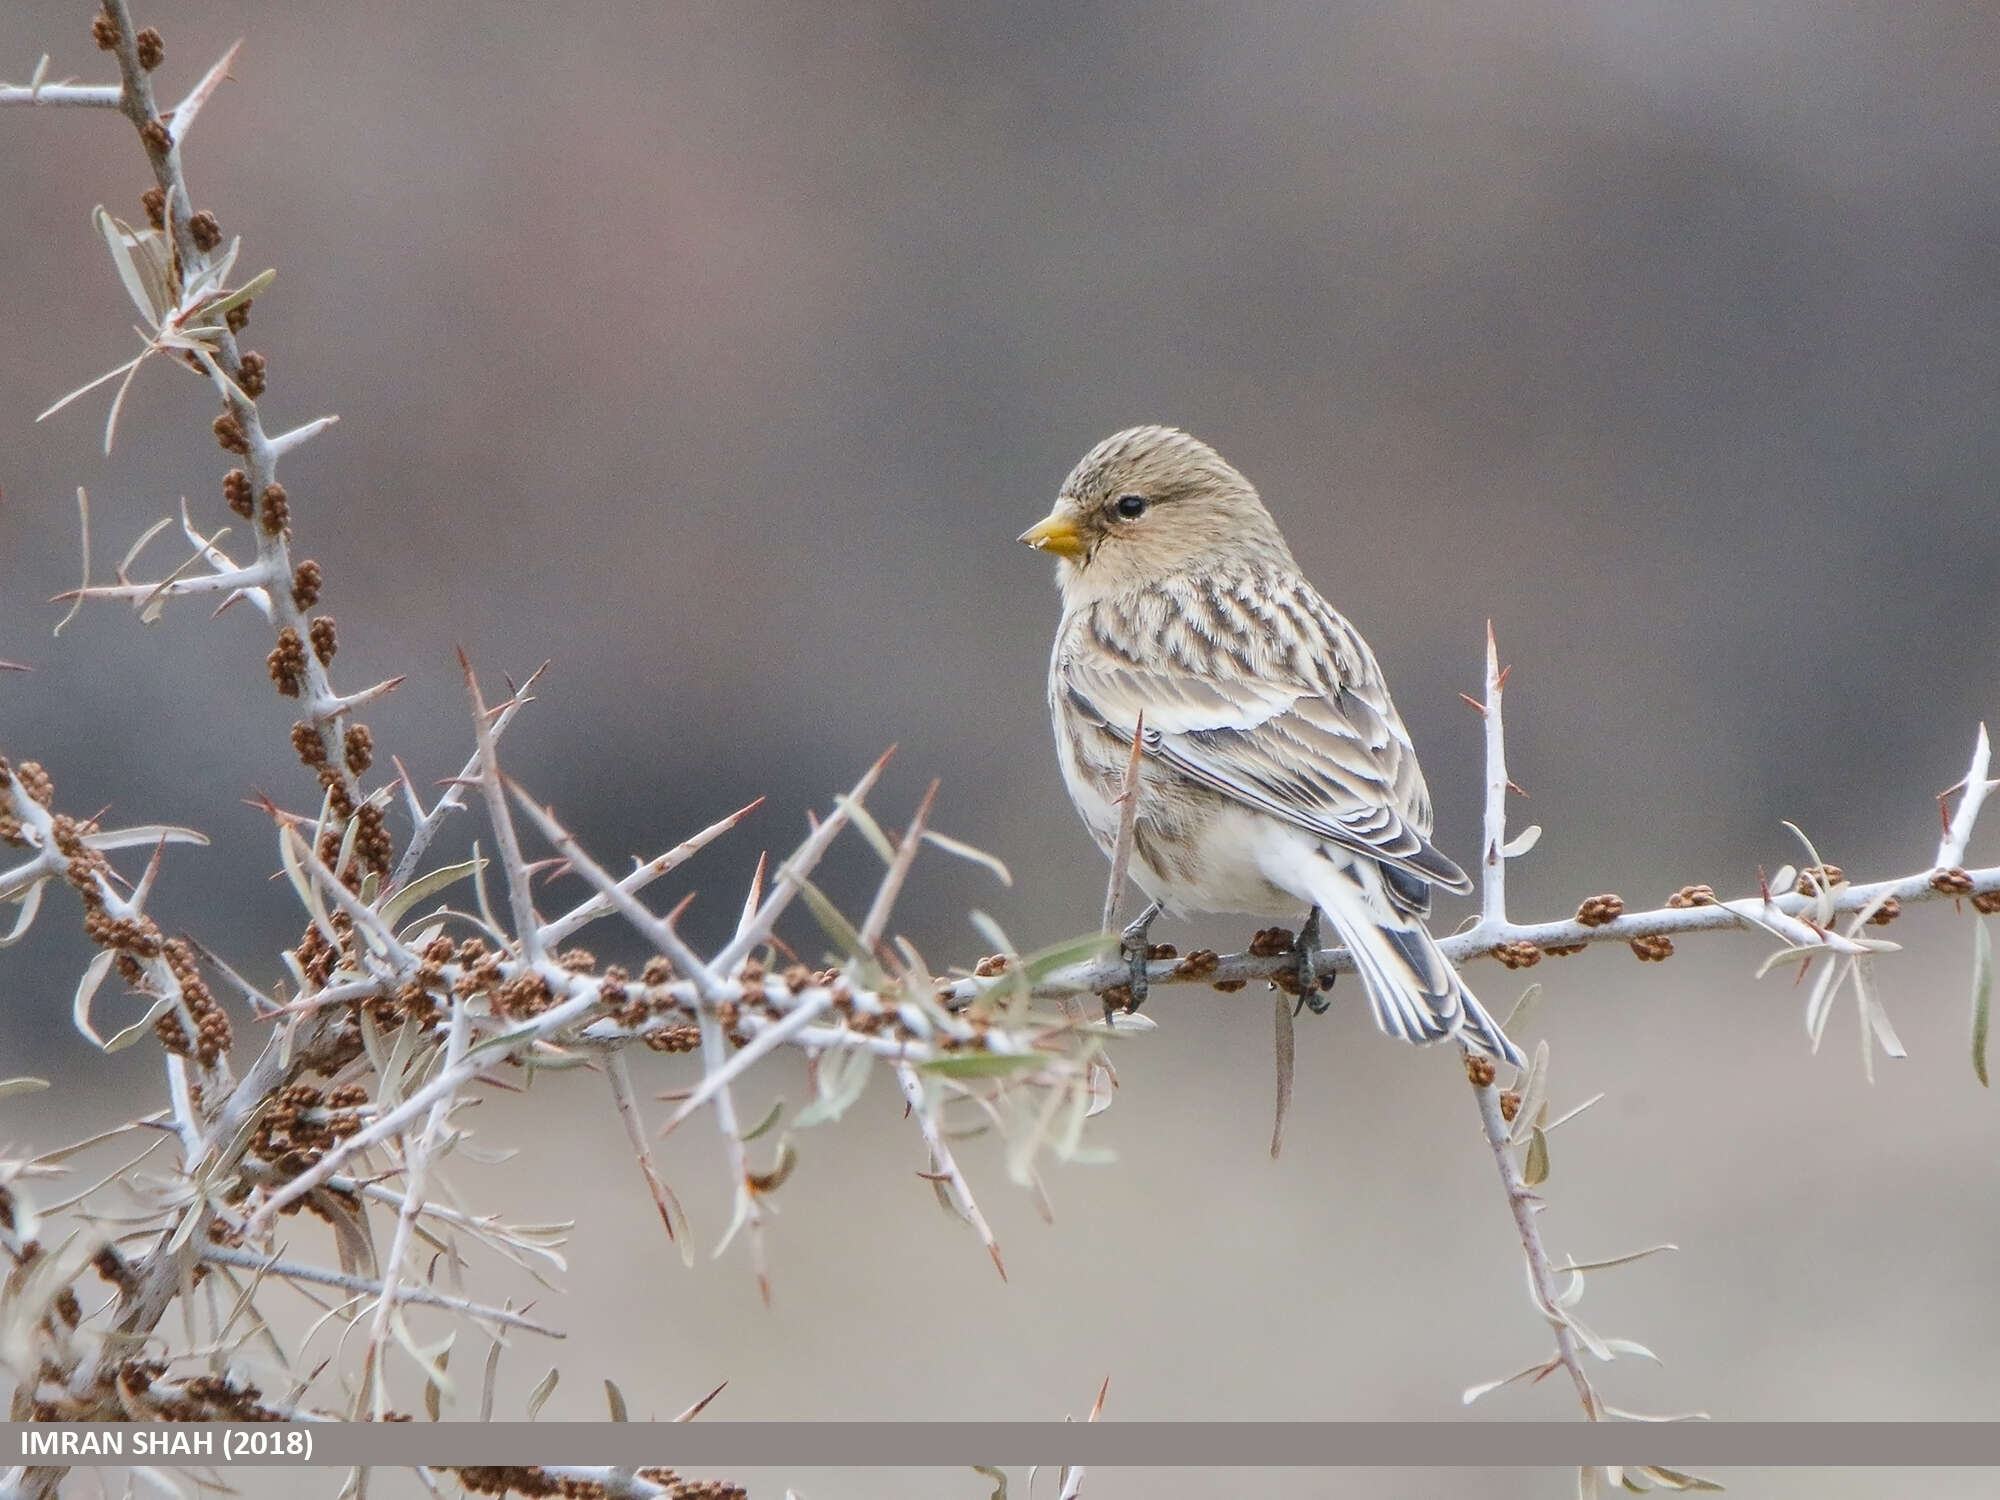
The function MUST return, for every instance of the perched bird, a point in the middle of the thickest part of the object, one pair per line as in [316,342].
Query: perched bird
[1275,772]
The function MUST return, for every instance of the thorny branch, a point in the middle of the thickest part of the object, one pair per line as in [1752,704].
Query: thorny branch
[391,1020]
[392,1017]
[1480,1069]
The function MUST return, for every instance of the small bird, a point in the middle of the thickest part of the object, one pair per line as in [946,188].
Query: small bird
[1275,771]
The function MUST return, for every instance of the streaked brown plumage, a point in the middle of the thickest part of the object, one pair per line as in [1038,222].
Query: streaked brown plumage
[1276,771]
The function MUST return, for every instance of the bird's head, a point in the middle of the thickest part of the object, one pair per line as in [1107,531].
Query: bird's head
[1147,504]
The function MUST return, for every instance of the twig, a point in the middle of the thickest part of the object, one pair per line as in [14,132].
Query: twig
[794,870]
[1541,1273]
[416,1159]
[877,920]
[749,1206]
[527,925]
[619,1074]
[1492,854]
[943,1163]
[286,1270]
[586,912]
[427,824]
[1951,848]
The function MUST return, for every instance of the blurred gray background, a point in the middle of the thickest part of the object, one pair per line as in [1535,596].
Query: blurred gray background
[719,351]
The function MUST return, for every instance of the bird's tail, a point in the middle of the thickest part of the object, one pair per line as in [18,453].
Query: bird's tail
[1412,988]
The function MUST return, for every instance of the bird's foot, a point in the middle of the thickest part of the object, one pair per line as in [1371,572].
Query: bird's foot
[1134,949]
[1312,989]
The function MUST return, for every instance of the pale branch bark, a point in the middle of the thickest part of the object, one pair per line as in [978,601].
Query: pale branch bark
[1492,1118]
[325,708]
[1788,912]
[61,94]
[362,1286]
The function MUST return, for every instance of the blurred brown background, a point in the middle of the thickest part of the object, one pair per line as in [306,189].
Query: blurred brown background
[719,351]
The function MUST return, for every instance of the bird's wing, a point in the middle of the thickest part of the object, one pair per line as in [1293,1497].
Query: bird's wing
[1284,710]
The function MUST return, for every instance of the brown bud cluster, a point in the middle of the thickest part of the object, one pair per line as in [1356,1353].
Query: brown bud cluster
[374,848]
[236,491]
[204,230]
[154,201]
[674,1039]
[1162,951]
[1510,1105]
[36,782]
[1199,964]
[137,942]
[989,966]
[1655,949]
[1272,941]
[1596,911]
[359,748]
[159,140]
[238,317]
[1520,954]
[306,581]
[658,971]
[152,51]
[287,662]
[1228,986]
[229,433]
[1692,895]
[1986,902]
[1952,882]
[1887,912]
[274,510]
[1116,997]
[104,32]
[1814,879]
[1479,1068]
[323,639]
[308,745]
[1563,950]
[339,801]
[250,372]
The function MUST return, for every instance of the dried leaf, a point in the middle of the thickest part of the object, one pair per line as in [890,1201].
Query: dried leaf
[1616,1260]
[1535,1171]
[426,885]
[86,991]
[1982,995]
[841,1083]
[544,1388]
[983,1064]
[1527,1372]
[1284,1050]
[1675,1479]
[966,851]
[770,1119]
[31,903]
[1043,962]
[145,833]
[124,1038]
[864,824]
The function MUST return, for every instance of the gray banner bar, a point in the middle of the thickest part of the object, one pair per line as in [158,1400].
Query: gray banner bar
[718,1445]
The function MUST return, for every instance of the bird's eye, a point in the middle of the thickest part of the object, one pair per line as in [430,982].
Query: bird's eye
[1131,507]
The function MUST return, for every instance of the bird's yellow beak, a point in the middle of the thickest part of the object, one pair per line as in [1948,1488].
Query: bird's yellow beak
[1055,533]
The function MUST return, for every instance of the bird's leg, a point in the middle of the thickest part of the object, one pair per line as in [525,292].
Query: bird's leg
[1306,945]
[1133,947]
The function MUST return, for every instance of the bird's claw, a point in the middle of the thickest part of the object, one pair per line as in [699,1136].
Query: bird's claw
[1135,950]
[1311,994]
